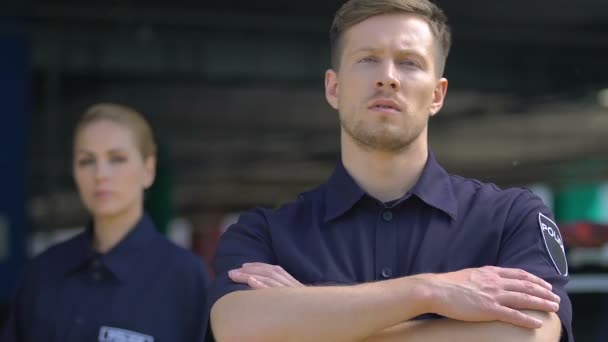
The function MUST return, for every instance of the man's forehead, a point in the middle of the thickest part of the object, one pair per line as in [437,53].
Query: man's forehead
[398,30]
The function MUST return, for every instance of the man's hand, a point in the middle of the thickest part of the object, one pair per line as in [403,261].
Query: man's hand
[260,276]
[490,294]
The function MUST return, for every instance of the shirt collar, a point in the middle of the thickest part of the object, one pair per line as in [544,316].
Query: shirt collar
[434,187]
[341,193]
[78,252]
[120,260]
[123,258]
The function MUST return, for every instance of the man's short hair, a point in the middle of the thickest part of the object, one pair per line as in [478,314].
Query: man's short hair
[355,11]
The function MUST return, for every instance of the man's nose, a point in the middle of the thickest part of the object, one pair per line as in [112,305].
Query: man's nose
[387,78]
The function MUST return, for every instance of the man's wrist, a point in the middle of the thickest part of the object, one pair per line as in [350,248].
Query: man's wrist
[421,293]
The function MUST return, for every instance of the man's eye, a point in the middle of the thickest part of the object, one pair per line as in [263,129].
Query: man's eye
[409,62]
[367,60]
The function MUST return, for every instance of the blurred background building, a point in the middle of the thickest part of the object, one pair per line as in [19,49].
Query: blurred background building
[234,91]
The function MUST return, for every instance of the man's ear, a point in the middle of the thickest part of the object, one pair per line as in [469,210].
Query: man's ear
[331,88]
[439,93]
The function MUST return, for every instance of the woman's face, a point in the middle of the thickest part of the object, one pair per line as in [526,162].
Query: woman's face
[109,170]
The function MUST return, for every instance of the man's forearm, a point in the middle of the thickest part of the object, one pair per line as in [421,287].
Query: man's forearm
[357,312]
[453,330]
[340,313]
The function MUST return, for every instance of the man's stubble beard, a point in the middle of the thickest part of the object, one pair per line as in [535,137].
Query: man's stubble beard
[380,138]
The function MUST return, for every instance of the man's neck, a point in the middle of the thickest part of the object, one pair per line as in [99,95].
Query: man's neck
[109,231]
[385,176]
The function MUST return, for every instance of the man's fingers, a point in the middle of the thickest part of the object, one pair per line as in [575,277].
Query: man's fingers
[512,273]
[258,270]
[256,284]
[254,281]
[270,271]
[517,318]
[293,280]
[238,276]
[531,289]
[524,301]
[268,281]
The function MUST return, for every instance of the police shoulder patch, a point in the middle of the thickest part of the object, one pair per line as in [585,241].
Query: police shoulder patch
[553,243]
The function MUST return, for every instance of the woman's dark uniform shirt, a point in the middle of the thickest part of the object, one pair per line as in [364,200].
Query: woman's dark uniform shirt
[337,234]
[144,289]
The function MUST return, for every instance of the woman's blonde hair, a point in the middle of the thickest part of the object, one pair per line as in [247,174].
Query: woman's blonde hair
[125,116]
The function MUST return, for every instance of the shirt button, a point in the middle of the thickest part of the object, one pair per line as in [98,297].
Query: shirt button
[96,263]
[387,215]
[97,275]
[387,272]
[78,320]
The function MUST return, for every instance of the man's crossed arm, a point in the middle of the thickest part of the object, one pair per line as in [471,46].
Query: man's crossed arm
[481,304]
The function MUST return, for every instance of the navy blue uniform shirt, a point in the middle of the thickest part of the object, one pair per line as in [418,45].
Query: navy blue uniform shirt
[144,289]
[337,234]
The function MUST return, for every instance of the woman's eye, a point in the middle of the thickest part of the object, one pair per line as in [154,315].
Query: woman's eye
[117,159]
[85,162]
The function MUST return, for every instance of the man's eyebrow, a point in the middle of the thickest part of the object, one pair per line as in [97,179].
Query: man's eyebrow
[375,49]
[366,49]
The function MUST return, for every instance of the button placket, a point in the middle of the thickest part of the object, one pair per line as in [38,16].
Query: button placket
[96,269]
[386,244]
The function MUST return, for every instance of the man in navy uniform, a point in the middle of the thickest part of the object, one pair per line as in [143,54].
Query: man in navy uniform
[391,242]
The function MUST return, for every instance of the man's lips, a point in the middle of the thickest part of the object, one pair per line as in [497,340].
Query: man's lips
[385,105]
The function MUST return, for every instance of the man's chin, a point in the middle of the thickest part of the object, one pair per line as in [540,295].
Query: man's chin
[383,143]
